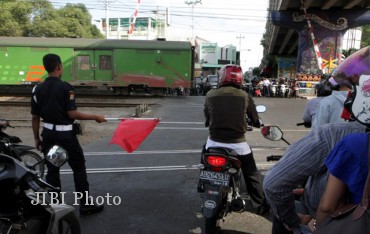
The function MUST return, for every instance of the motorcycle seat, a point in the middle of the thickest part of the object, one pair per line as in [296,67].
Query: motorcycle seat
[219,150]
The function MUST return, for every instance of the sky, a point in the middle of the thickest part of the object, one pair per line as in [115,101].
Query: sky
[237,22]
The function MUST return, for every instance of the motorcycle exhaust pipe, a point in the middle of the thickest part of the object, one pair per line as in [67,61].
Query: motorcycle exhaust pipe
[238,204]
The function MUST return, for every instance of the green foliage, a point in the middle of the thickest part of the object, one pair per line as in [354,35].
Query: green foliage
[365,40]
[38,18]
[8,26]
[348,52]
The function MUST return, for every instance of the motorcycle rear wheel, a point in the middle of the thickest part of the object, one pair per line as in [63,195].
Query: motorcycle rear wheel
[69,224]
[211,226]
[33,161]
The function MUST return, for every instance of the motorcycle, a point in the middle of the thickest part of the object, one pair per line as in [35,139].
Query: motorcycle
[283,90]
[306,124]
[27,204]
[9,145]
[273,90]
[219,184]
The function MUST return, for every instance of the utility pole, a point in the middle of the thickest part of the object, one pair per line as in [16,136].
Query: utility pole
[193,3]
[107,28]
[157,24]
[240,42]
[240,48]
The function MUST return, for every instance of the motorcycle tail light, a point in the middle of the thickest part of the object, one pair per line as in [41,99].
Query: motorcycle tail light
[216,161]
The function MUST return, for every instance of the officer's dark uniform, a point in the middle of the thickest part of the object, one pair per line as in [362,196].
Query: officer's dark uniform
[51,100]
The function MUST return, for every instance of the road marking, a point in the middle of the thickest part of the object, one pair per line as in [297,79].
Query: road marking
[202,123]
[144,152]
[181,122]
[169,151]
[206,129]
[261,166]
[184,128]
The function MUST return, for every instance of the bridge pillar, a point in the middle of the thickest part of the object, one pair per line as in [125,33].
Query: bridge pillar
[329,26]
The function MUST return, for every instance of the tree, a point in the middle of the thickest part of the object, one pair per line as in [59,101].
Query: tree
[38,18]
[8,26]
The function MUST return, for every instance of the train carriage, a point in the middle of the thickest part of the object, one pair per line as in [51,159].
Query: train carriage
[92,65]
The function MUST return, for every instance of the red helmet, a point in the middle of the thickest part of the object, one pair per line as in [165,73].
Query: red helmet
[230,75]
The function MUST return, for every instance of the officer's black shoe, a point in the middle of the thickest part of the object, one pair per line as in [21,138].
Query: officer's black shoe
[90,209]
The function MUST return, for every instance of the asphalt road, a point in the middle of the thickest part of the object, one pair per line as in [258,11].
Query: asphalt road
[156,185]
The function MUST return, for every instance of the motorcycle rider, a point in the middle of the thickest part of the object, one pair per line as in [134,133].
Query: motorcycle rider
[225,110]
[304,161]
[330,108]
[323,89]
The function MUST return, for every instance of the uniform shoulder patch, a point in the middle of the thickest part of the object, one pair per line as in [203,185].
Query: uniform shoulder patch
[71,95]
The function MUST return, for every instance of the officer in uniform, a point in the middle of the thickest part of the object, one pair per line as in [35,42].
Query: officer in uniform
[54,102]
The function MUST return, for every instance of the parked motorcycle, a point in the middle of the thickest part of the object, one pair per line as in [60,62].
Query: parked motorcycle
[273,90]
[282,90]
[26,205]
[9,145]
[219,184]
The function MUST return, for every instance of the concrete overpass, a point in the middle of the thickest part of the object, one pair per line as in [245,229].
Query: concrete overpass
[287,24]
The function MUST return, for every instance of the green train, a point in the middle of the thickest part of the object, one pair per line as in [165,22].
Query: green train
[93,65]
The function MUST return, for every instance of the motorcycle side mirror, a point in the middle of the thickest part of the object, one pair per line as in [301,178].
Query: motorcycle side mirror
[272,133]
[57,156]
[261,108]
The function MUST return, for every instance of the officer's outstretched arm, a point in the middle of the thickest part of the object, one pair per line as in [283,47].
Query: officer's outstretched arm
[84,116]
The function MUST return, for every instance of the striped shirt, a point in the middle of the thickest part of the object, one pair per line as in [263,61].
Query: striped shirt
[304,163]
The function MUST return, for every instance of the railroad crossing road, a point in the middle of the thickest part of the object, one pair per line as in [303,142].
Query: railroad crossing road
[157,183]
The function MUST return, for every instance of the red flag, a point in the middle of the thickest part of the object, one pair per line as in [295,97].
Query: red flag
[130,133]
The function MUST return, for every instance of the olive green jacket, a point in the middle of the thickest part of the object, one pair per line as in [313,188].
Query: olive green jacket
[226,110]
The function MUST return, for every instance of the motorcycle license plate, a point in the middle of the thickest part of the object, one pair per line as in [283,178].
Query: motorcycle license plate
[215,178]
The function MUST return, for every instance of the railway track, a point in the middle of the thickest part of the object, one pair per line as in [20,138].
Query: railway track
[80,104]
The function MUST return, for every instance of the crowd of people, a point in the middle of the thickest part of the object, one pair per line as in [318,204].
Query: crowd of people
[272,87]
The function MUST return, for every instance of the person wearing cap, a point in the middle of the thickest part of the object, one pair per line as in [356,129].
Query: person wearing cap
[225,110]
[303,163]
[330,108]
[54,101]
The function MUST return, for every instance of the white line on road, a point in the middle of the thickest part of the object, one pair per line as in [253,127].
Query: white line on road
[170,151]
[202,123]
[181,122]
[144,152]
[261,166]
[184,128]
